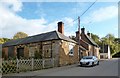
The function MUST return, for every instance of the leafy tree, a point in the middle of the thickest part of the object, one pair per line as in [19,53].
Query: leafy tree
[20,35]
[1,40]
[96,38]
[110,40]
[6,39]
[117,40]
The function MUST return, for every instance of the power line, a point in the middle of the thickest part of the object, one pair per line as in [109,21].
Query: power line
[79,27]
[88,8]
[83,12]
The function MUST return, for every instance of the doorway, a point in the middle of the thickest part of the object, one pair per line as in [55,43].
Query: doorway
[20,52]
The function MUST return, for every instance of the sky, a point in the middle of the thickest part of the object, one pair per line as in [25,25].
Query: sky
[40,17]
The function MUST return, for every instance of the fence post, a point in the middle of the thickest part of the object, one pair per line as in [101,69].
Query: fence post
[17,65]
[32,63]
[43,63]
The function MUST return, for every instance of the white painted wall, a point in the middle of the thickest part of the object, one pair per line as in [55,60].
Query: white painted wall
[109,56]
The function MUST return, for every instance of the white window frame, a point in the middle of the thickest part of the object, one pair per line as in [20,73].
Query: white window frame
[31,51]
[71,49]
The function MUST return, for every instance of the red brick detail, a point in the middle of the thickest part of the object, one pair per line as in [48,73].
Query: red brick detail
[61,27]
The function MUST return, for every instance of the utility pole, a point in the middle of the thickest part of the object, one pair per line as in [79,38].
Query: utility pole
[79,37]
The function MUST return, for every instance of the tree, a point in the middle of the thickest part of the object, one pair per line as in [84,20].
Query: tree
[117,40]
[6,39]
[1,40]
[96,38]
[20,35]
[110,40]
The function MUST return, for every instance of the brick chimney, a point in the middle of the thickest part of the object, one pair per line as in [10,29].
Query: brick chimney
[61,27]
[83,30]
[89,34]
[77,35]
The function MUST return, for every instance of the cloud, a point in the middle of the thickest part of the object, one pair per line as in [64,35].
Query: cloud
[11,23]
[102,14]
[105,13]
[13,5]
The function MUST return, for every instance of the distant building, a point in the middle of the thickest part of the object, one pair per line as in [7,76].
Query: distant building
[105,52]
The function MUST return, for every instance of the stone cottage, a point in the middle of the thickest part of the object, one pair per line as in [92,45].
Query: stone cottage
[52,44]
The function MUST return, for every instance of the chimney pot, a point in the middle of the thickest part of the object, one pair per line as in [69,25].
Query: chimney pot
[83,30]
[89,34]
[77,35]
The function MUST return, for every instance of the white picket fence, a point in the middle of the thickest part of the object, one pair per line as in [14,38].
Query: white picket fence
[19,65]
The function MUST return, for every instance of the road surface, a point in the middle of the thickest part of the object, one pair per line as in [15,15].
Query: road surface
[105,68]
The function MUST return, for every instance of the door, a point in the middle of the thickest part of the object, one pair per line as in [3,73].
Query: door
[20,52]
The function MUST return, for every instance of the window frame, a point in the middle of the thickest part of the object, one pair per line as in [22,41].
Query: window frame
[71,49]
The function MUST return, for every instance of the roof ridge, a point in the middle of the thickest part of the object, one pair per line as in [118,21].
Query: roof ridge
[39,37]
[91,40]
[84,41]
[57,34]
[42,33]
[68,39]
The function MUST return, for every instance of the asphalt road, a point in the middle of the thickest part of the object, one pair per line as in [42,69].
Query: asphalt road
[105,68]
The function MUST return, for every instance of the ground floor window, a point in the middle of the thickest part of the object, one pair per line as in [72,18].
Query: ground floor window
[31,51]
[47,51]
[71,49]
[11,52]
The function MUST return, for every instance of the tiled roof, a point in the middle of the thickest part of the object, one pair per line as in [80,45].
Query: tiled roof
[82,48]
[91,40]
[53,35]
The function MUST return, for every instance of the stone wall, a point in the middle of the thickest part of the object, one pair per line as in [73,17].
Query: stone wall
[60,51]
[65,58]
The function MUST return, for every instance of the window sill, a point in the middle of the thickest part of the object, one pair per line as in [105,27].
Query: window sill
[71,55]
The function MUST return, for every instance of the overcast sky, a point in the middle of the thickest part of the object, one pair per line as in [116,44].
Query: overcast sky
[40,17]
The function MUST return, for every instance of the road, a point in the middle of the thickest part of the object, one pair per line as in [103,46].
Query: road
[106,68]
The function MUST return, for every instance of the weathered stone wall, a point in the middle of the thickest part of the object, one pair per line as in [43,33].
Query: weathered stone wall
[60,51]
[64,56]
[85,53]
[55,51]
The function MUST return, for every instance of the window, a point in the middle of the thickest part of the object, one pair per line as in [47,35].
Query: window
[87,57]
[11,51]
[31,51]
[47,51]
[71,49]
